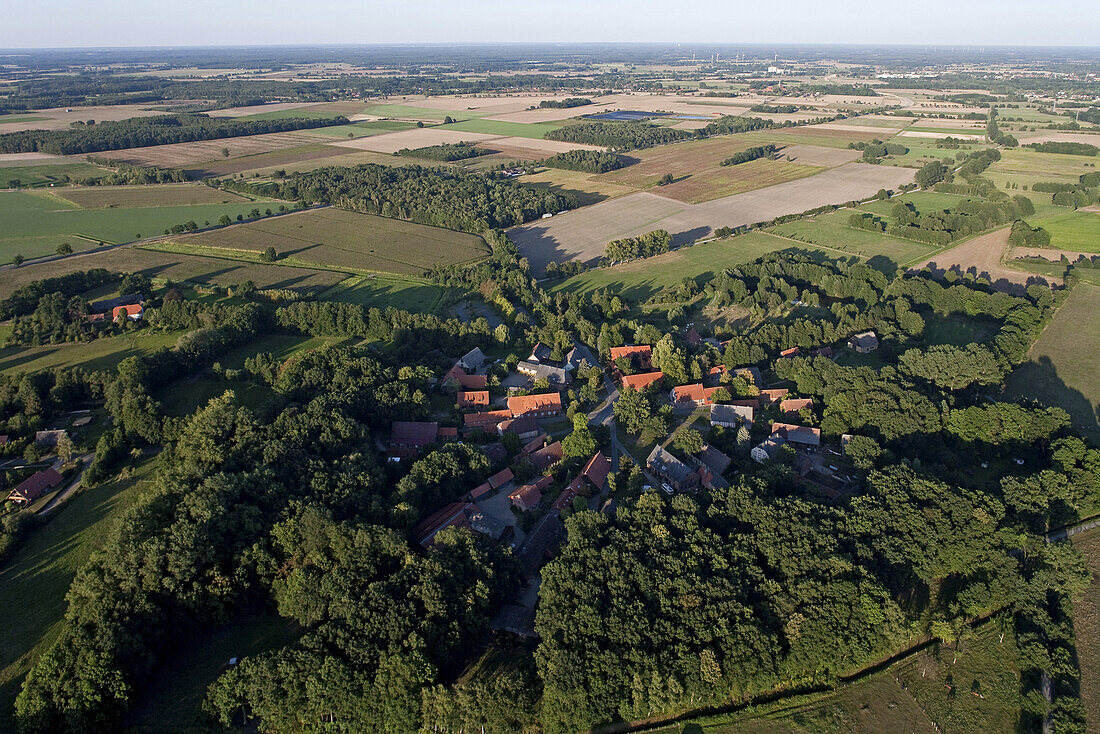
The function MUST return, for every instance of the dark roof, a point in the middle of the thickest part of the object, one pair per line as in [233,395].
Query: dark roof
[597,469]
[797,434]
[714,459]
[548,372]
[540,352]
[108,305]
[547,456]
[495,452]
[525,424]
[413,433]
[730,413]
[668,464]
[35,485]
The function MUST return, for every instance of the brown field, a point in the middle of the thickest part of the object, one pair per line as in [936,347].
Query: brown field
[177,155]
[726,181]
[108,197]
[583,234]
[1060,137]
[416,138]
[176,267]
[855,127]
[56,118]
[259,109]
[1086,624]
[35,159]
[337,238]
[274,160]
[936,136]
[984,256]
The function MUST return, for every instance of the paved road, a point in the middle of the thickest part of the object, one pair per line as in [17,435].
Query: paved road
[604,413]
[85,461]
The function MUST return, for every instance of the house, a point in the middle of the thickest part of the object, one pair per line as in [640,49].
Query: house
[456,377]
[479,491]
[501,478]
[594,475]
[730,416]
[692,338]
[495,453]
[671,470]
[486,421]
[788,353]
[485,524]
[540,353]
[641,380]
[826,352]
[473,399]
[472,360]
[798,434]
[547,456]
[49,438]
[770,397]
[529,495]
[711,464]
[447,433]
[864,342]
[768,449]
[35,486]
[544,405]
[534,444]
[641,355]
[109,305]
[526,427]
[456,515]
[408,438]
[791,407]
[691,394]
[552,373]
[133,312]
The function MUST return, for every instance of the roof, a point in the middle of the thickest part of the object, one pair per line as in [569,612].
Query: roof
[771,396]
[457,515]
[479,490]
[768,448]
[667,464]
[749,373]
[794,405]
[692,338]
[529,495]
[110,304]
[730,413]
[484,524]
[641,350]
[549,372]
[133,309]
[824,352]
[521,426]
[540,353]
[543,402]
[447,433]
[413,433]
[696,393]
[864,339]
[468,382]
[500,478]
[35,485]
[472,358]
[534,444]
[49,438]
[792,352]
[641,380]
[597,469]
[489,418]
[473,398]
[797,434]
[713,459]
[495,452]
[547,456]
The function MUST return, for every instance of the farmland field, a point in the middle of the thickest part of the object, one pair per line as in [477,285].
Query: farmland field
[1061,369]
[34,225]
[718,182]
[380,292]
[1072,230]
[507,129]
[99,354]
[1086,625]
[110,197]
[861,242]
[336,238]
[177,155]
[48,173]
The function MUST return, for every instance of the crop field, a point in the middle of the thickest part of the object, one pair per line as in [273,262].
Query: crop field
[507,129]
[590,188]
[360,129]
[818,135]
[382,292]
[259,111]
[59,118]
[48,173]
[849,240]
[1073,230]
[415,138]
[1027,164]
[176,267]
[100,354]
[315,154]
[583,234]
[176,155]
[718,182]
[34,225]
[335,238]
[427,114]
[1061,367]
[1086,625]
[111,197]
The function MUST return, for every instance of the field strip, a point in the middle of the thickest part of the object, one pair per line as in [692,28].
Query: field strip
[810,244]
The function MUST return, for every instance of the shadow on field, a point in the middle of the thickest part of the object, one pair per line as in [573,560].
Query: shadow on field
[1040,381]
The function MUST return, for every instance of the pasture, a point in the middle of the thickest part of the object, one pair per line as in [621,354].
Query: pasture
[33,225]
[335,238]
[1078,231]
[505,129]
[99,354]
[111,197]
[48,173]
[381,292]
[851,241]
[179,155]
[1061,367]
[1086,625]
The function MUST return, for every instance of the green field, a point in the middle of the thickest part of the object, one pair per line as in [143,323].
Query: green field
[381,292]
[4,119]
[48,173]
[421,113]
[135,197]
[33,225]
[1072,230]
[1061,370]
[99,354]
[363,129]
[924,201]
[34,581]
[1086,626]
[861,242]
[535,130]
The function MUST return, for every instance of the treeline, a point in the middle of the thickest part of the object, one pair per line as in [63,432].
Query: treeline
[1023,234]
[589,161]
[127,175]
[618,135]
[59,318]
[966,217]
[1082,193]
[444,152]
[774,109]
[566,103]
[470,202]
[730,125]
[141,132]
[1064,148]
[994,134]
[24,300]
[877,151]
[751,154]
[633,248]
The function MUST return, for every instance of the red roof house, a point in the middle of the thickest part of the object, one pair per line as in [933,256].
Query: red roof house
[792,352]
[790,407]
[529,495]
[473,399]
[131,311]
[695,393]
[501,478]
[547,456]
[773,396]
[641,380]
[797,434]
[487,420]
[407,438]
[35,486]
[545,405]
[594,473]
[641,355]
[457,376]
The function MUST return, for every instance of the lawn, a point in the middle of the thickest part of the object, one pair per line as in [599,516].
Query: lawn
[50,173]
[33,225]
[335,238]
[1061,369]
[99,354]
[535,130]
[861,242]
[34,581]
[1086,626]
[1072,230]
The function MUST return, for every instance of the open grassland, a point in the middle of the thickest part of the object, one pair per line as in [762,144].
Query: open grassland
[60,118]
[34,225]
[381,292]
[861,242]
[507,129]
[1078,231]
[417,137]
[589,188]
[34,581]
[49,173]
[112,197]
[818,135]
[99,354]
[1086,627]
[1061,367]
[341,239]
[176,267]
[1024,165]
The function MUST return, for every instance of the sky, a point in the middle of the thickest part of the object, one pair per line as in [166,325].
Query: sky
[73,23]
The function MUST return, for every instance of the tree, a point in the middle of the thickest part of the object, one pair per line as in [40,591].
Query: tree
[225,152]
[269,255]
[688,440]
[863,451]
[580,443]
[666,179]
[64,249]
[18,260]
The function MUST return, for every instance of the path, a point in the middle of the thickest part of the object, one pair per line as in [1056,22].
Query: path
[60,497]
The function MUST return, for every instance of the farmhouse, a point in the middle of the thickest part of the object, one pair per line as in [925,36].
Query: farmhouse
[485,421]
[641,355]
[691,394]
[711,464]
[133,312]
[547,456]
[501,478]
[791,407]
[553,374]
[545,405]
[770,397]
[671,470]
[788,353]
[798,434]
[641,380]
[594,474]
[864,342]
[526,427]
[730,416]
[35,486]
[456,377]
[408,438]
[472,360]
[473,399]
[768,448]
[110,305]
[529,495]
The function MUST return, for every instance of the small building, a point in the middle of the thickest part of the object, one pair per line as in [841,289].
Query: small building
[771,397]
[547,456]
[473,399]
[34,486]
[544,405]
[692,338]
[641,355]
[826,352]
[671,470]
[713,459]
[501,478]
[479,491]
[593,475]
[534,444]
[409,438]
[456,378]
[108,306]
[694,394]
[730,416]
[133,312]
[768,449]
[529,495]
[446,434]
[641,380]
[486,421]
[495,453]
[792,407]
[457,515]
[526,427]
[798,434]
[864,342]
[472,360]
[554,374]
[788,353]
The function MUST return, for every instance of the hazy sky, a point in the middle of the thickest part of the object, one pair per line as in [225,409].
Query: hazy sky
[61,23]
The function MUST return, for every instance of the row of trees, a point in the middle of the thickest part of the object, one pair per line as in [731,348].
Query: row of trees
[589,161]
[632,248]
[744,156]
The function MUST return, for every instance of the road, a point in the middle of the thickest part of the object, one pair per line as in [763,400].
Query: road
[60,497]
[604,413]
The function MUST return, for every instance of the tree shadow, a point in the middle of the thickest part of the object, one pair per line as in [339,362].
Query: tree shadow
[1040,382]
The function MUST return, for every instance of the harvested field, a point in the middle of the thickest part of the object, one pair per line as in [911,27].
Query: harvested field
[815,155]
[583,234]
[57,118]
[176,267]
[713,183]
[810,135]
[983,255]
[691,124]
[25,159]
[536,145]
[336,238]
[258,109]
[275,159]
[109,197]
[412,139]
[177,155]
[1060,137]
[856,127]
[503,129]
[588,187]
[936,135]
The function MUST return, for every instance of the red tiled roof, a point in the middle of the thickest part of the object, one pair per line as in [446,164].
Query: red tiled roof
[534,444]
[479,490]
[467,382]
[643,351]
[542,403]
[792,352]
[693,393]
[133,309]
[413,433]
[797,434]
[447,433]
[642,380]
[473,399]
[547,456]
[485,420]
[772,396]
[501,477]
[597,469]
[794,405]
[452,515]
[36,485]
[529,495]
[525,424]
